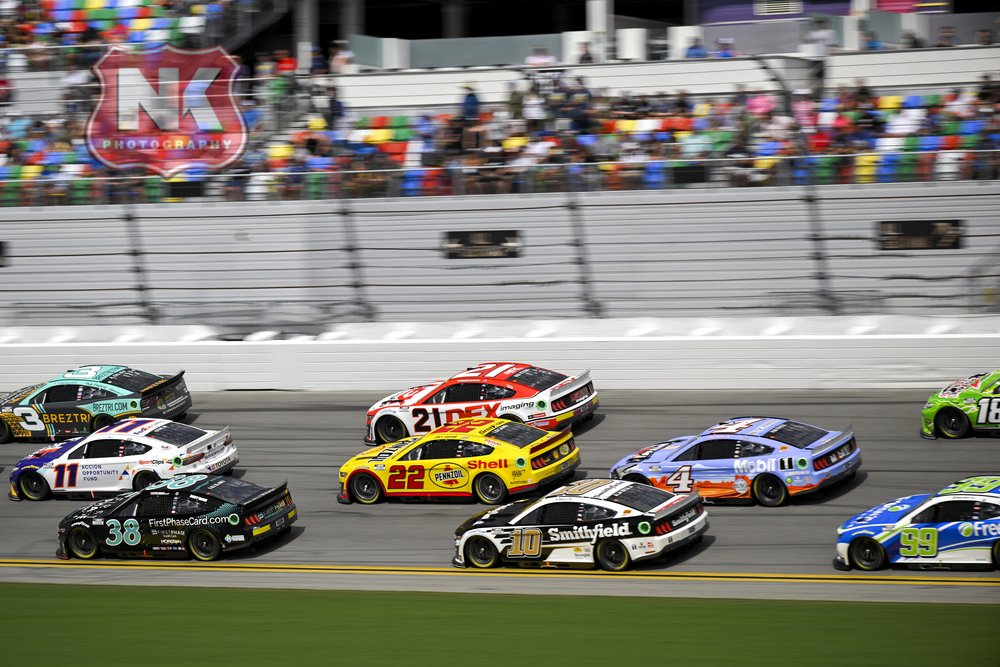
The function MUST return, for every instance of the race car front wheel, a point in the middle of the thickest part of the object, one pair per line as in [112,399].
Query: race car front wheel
[82,543]
[100,421]
[769,491]
[204,545]
[365,489]
[33,486]
[490,489]
[389,429]
[144,479]
[611,555]
[5,433]
[996,554]
[481,553]
[952,424]
[866,554]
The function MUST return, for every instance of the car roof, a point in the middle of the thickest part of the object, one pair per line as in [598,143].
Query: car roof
[130,427]
[599,489]
[484,371]
[479,427]
[979,485]
[744,426]
[102,373]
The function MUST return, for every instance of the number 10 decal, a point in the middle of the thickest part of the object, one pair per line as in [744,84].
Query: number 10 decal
[989,411]
[526,543]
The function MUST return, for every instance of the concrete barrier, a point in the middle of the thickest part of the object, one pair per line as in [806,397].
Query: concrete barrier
[696,353]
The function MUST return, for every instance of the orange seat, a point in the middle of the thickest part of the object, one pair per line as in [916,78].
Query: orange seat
[379,122]
[951,142]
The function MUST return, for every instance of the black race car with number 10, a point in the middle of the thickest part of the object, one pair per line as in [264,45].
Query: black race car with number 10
[200,516]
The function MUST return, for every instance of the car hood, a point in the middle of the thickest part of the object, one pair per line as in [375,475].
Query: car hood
[885,514]
[46,454]
[11,397]
[955,389]
[382,452]
[655,453]
[406,396]
[496,516]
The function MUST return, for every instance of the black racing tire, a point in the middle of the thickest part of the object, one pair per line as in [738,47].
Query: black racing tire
[637,478]
[611,555]
[100,421]
[996,554]
[6,435]
[204,545]
[952,424]
[480,552]
[181,417]
[389,429]
[33,486]
[866,554]
[512,418]
[365,489]
[144,479]
[769,491]
[489,489]
[82,544]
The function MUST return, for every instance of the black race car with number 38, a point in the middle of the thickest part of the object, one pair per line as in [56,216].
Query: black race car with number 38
[200,516]
[602,522]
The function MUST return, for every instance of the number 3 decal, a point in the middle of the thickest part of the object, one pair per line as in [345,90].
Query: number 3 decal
[82,373]
[29,419]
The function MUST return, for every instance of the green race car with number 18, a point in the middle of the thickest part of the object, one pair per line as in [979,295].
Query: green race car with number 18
[964,406]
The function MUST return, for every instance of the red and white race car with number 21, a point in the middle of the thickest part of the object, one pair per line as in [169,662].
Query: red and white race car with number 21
[518,392]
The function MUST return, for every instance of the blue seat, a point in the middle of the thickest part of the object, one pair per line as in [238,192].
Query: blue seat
[913,102]
[412,185]
[929,143]
[128,13]
[700,124]
[137,37]
[768,148]
[828,104]
[641,136]
[971,127]
[654,177]
[661,136]
[886,172]
[586,140]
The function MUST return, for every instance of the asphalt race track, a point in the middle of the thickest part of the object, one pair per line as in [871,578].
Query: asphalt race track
[749,551]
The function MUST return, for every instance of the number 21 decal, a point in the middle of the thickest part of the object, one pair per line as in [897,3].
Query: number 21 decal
[989,411]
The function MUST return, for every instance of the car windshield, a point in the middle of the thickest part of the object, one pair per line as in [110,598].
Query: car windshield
[131,379]
[641,497]
[176,434]
[796,434]
[537,378]
[516,434]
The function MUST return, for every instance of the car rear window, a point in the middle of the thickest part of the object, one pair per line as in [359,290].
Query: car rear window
[232,490]
[131,379]
[641,497]
[537,378]
[516,434]
[795,434]
[176,434]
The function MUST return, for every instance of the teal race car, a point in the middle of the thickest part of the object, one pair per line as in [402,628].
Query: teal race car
[88,398]
[964,406]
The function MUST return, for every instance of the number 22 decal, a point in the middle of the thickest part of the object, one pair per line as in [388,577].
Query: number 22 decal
[400,478]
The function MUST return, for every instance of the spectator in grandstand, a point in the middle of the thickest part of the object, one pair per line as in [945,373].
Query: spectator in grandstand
[984,37]
[910,40]
[819,42]
[725,47]
[319,65]
[341,57]
[540,57]
[871,42]
[284,62]
[585,57]
[696,49]
[470,104]
[515,101]
[989,90]
[945,37]
[6,91]
[535,113]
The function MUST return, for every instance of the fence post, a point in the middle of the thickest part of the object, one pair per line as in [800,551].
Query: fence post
[828,300]
[590,304]
[139,264]
[354,263]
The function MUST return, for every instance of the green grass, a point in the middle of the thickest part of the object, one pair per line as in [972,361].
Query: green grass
[83,625]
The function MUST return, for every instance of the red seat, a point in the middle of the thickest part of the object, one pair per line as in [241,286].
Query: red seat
[379,122]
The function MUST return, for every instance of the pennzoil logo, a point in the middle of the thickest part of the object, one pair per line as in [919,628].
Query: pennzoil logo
[166,109]
[448,475]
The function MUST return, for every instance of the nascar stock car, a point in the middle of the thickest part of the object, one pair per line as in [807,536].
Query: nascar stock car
[518,392]
[607,523]
[485,458]
[959,525]
[125,456]
[200,516]
[764,459]
[89,398]
[964,406]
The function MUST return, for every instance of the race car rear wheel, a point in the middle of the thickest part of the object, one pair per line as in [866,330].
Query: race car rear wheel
[866,554]
[144,479]
[512,418]
[33,486]
[82,543]
[204,545]
[5,433]
[481,553]
[996,554]
[365,489]
[389,429]
[952,424]
[769,491]
[611,555]
[100,421]
[490,489]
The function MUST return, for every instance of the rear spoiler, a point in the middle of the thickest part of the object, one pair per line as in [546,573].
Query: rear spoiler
[537,446]
[581,381]
[223,434]
[161,384]
[678,504]
[267,494]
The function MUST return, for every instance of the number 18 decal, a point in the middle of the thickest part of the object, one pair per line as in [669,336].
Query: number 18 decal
[989,411]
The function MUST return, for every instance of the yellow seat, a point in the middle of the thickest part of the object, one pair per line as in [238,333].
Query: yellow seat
[702,109]
[280,151]
[865,168]
[140,24]
[31,171]
[625,125]
[379,136]
[890,102]
[681,135]
[198,10]
[513,143]
[94,4]
[765,162]
[317,124]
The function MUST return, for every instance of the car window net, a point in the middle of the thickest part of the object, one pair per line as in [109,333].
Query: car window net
[537,378]
[796,434]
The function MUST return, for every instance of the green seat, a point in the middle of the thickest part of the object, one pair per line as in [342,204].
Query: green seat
[907,168]
[79,191]
[11,195]
[154,189]
[402,134]
[400,121]
[971,141]
[316,185]
[826,170]
[932,100]
[949,127]
[911,143]
[363,123]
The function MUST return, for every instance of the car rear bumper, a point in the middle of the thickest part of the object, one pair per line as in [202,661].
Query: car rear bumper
[679,538]
[553,473]
[569,417]
[837,474]
[274,526]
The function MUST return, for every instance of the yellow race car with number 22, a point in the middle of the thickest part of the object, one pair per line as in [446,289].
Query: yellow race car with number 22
[485,458]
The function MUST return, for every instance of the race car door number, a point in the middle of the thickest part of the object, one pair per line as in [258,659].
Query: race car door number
[989,411]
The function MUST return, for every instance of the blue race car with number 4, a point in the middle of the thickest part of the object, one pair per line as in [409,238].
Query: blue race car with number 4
[959,525]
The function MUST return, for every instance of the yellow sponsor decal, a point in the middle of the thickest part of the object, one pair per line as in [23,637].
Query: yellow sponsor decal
[261,530]
[292,514]
[74,418]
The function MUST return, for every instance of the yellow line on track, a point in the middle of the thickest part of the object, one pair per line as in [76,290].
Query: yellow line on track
[294,568]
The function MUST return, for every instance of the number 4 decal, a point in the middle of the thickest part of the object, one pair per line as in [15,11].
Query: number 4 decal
[680,480]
